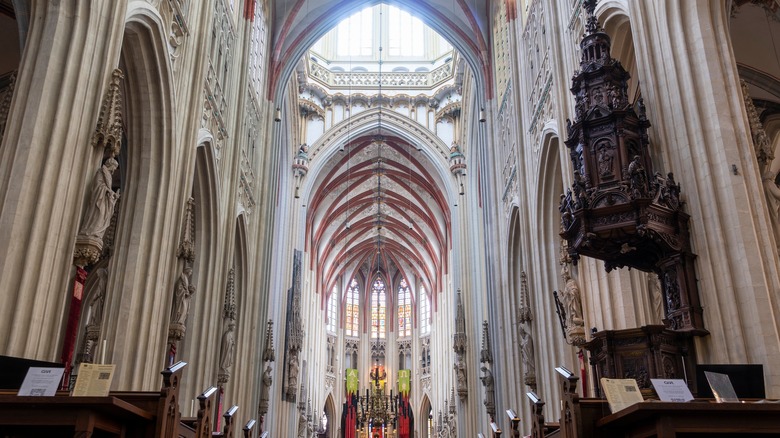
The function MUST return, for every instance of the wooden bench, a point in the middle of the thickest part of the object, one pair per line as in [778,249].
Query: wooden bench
[126,414]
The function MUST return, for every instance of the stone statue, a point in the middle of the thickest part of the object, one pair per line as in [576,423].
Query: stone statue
[303,425]
[460,374]
[571,299]
[267,380]
[101,202]
[182,296]
[98,296]
[292,373]
[228,345]
[527,349]
[487,381]
[453,423]
[265,390]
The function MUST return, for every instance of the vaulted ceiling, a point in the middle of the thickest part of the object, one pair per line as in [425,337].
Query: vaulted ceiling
[377,208]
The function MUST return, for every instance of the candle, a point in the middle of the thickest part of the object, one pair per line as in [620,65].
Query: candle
[103,353]
[192,409]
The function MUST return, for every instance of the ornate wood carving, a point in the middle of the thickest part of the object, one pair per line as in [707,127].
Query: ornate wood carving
[644,353]
[619,209]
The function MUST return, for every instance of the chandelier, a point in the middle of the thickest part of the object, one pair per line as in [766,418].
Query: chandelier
[376,409]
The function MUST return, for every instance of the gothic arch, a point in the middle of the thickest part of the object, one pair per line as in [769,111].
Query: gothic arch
[331,412]
[547,277]
[617,24]
[142,264]
[393,123]
[461,28]
[245,320]
[425,412]
[200,338]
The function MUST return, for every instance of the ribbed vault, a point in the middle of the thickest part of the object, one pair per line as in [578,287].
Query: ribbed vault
[376,206]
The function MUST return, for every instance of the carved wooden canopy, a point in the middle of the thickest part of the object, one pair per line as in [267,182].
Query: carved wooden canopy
[619,209]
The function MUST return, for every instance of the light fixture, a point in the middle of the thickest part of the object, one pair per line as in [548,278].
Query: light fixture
[482,117]
[278,116]
[462,190]
[296,193]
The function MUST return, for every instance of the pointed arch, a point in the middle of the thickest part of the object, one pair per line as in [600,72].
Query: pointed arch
[617,23]
[331,413]
[143,268]
[205,311]
[461,26]
[426,417]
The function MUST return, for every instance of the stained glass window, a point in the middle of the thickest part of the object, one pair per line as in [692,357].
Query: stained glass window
[378,307]
[352,322]
[332,305]
[404,309]
[425,312]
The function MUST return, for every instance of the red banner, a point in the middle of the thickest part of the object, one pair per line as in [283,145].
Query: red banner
[72,327]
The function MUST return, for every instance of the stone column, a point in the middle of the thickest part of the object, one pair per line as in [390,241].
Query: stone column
[702,129]
[45,160]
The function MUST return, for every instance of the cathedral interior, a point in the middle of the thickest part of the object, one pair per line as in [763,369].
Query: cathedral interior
[391,218]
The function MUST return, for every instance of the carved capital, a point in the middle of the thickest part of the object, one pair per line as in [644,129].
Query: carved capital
[87,251]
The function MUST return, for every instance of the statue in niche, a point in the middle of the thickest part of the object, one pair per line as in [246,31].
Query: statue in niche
[98,297]
[101,202]
[571,298]
[292,373]
[613,96]
[487,381]
[228,346]
[182,296]
[267,380]
[460,374]
[527,350]
[452,422]
[605,160]
[637,177]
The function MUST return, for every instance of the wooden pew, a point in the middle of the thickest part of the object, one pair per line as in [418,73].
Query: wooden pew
[578,415]
[249,428]
[130,414]
[204,421]
[514,422]
[227,430]
[537,415]
[496,430]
